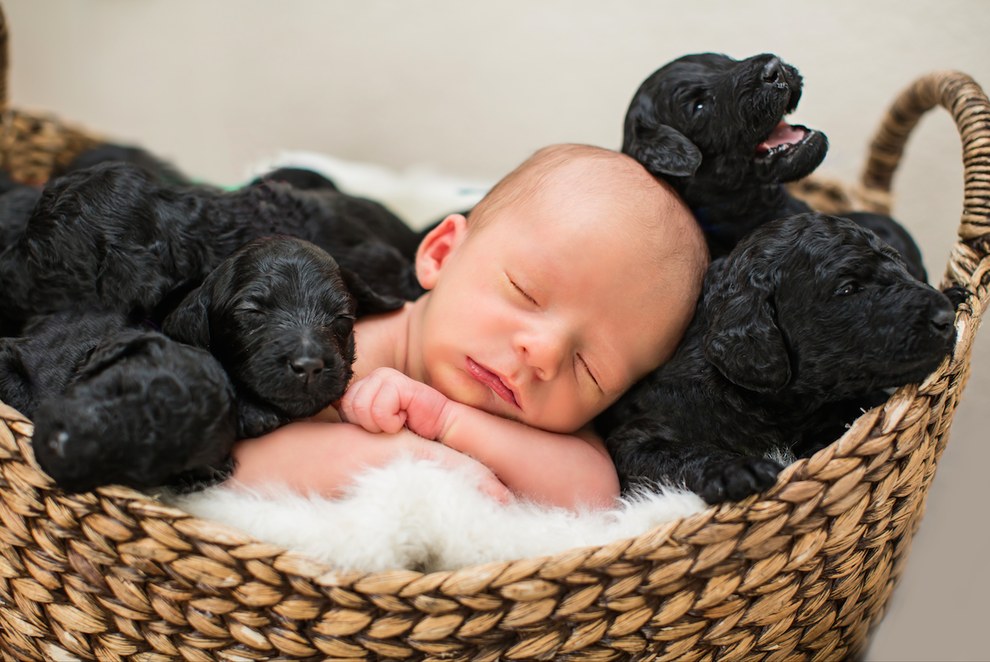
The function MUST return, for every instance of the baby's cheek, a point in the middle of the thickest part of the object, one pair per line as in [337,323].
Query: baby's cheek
[565,415]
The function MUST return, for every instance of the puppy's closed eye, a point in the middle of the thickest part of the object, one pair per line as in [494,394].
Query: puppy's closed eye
[342,327]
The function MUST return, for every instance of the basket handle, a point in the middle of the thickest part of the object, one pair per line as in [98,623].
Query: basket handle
[961,96]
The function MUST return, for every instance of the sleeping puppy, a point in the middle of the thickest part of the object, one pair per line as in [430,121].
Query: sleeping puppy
[141,410]
[112,237]
[809,315]
[114,404]
[279,316]
[714,128]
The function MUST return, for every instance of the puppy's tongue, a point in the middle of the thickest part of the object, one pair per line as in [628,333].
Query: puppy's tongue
[783,134]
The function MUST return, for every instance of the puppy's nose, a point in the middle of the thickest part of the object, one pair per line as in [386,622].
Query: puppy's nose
[57,442]
[306,367]
[773,72]
[943,320]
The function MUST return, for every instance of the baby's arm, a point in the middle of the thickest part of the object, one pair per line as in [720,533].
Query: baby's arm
[325,458]
[547,467]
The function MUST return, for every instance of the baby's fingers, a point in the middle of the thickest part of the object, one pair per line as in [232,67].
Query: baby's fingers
[374,404]
[386,408]
[355,406]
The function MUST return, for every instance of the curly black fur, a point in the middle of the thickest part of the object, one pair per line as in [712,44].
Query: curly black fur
[704,123]
[372,221]
[112,237]
[278,315]
[16,203]
[809,318]
[42,362]
[142,410]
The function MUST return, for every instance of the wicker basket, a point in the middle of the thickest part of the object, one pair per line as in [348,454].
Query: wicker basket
[802,571]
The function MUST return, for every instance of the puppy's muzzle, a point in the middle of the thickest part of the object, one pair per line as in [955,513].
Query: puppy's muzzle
[773,73]
[943,323]
[780,78]
[306,367]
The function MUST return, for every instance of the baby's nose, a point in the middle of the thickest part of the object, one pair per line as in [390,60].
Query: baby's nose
[544,352]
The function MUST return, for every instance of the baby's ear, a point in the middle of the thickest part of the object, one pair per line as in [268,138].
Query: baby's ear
[437,246]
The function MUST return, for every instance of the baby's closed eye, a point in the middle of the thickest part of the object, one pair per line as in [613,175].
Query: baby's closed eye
[587,371]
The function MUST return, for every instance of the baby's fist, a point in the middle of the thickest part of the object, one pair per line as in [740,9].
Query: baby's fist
[387,400]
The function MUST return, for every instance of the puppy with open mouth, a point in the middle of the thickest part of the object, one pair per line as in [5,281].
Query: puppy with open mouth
[716,129]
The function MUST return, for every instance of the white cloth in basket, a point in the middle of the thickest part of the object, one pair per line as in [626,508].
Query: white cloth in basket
[415,514]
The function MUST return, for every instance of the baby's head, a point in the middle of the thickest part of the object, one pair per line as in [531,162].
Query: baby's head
[575,276]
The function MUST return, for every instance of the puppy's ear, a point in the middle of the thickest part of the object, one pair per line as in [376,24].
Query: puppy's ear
[116,348]
[369,302]
[663,150]
[743,341]
[190,321]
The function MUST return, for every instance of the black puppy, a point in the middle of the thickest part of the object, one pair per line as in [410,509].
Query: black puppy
[382,224]
[714,128]
[112,237]
[141,410]
[114,404]
[278,315]
[807,315]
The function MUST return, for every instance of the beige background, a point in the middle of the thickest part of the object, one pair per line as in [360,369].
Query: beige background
[472,88]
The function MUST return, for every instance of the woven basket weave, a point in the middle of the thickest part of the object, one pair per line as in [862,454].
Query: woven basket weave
[800,572]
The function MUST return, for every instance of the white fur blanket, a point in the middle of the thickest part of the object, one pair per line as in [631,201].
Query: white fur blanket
[414,514]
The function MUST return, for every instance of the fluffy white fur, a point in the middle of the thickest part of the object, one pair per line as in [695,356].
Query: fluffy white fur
[415,514]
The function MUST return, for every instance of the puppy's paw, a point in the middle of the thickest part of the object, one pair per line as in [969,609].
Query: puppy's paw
[736,478]
[253,421]
[203,477]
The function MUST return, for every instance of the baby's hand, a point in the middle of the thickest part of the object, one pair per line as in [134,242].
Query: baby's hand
[387,400]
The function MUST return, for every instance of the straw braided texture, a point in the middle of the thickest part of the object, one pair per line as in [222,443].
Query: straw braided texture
[800,572]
